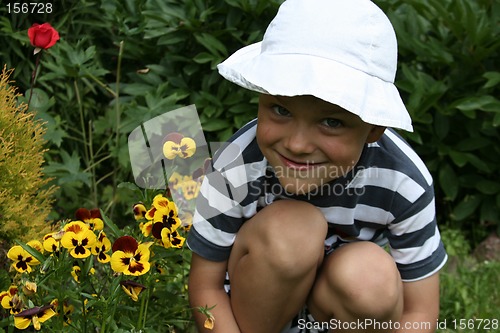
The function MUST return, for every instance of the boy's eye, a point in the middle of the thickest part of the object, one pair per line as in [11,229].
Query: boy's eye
[279,110]
[332,123]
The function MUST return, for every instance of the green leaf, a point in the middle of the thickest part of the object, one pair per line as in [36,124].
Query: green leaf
[493,79]
[129,186]
[108,223]
[460,159]
[136,89]
[40,101]
[490,211]
[212,44]
[203,57]
[496,120]
[35,253]
[488,187]
[215,125]
[448,181]
[484,103]
[472,144]
[466,208]
[441,125]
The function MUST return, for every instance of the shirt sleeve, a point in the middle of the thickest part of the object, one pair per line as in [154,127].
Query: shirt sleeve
[217,218]
[414,239]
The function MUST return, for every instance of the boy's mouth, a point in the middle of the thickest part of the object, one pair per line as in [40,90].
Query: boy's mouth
[298,164]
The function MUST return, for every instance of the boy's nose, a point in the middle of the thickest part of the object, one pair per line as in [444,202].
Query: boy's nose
[299,141]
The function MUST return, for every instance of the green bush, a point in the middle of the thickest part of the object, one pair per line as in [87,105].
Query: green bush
[121,63]
[449,78]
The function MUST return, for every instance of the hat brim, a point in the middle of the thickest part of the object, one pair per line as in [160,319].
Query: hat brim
[374,100]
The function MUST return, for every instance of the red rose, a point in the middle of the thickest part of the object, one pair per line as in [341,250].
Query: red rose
[43,36]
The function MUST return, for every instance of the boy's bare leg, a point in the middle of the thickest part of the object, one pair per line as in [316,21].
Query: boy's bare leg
[357,281]
[273,264]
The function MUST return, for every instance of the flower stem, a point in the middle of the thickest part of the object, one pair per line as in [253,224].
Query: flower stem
[33,76]
[140,321]
[145,310]
[118,117]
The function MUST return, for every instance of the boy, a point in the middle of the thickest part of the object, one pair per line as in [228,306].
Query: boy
[298,226]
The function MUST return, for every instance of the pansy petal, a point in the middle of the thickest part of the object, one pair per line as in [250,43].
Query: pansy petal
[147,228]
[95,213]
[15,252]
[138,268]
[174,137]
[46,313]
[187,147]
[171,150]
[82,214]
[139,211]
[67,240]
[37,245]
[126,244]
[22,323]
[95,223]
[120,261]
[159,202]
[76,227]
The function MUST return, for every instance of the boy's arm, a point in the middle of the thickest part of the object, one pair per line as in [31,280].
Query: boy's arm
[206,288]
[421,305]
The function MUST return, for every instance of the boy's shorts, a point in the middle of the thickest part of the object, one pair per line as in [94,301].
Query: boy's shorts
[303,322]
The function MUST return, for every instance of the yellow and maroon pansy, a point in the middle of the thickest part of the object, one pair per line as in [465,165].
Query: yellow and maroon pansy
[76,272]
[37,245]
[139,211]
[7,296]
[132,288]
[22,259]
[175,144]
[129,257]
[187,220]
[68,310]
[190,189]
[35,315]
[91,217]
[52,242]
[172,239]
[79,239]
[175,180]
[165,213]
[10,300]
[146,228]
[101,247]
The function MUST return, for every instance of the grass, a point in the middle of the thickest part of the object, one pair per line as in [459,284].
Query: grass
[470,296]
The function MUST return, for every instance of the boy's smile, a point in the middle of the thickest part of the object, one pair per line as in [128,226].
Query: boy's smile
[310,142]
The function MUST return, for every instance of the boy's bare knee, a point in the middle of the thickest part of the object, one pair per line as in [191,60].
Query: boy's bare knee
[365,281]
[288,236]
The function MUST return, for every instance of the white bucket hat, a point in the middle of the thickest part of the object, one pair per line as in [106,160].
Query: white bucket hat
[341,51]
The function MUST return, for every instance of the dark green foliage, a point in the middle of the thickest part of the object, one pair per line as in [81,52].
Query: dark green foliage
[449,78]
[119,64]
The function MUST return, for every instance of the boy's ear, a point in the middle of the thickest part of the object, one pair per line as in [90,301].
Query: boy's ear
[375,133]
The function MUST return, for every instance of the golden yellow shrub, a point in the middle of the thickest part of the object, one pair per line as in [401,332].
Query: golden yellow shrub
[25,197]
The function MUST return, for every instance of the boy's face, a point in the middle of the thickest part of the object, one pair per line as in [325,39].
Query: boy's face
[310,142]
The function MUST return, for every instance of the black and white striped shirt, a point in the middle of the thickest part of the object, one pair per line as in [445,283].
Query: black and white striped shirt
[387,197]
